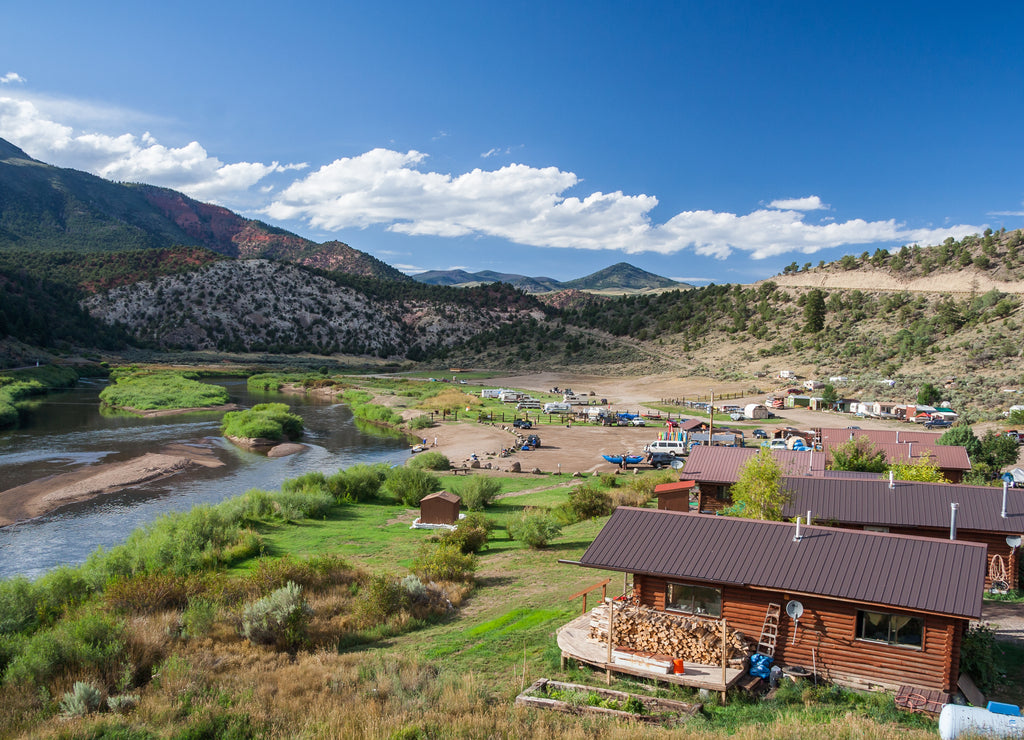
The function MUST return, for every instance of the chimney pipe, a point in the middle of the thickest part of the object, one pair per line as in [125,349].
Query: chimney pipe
[897,436]
[1003,512]
[808,517]
[797,537]
[952,520]
[892,480]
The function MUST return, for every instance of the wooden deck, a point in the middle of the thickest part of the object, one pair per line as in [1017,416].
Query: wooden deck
[573,642]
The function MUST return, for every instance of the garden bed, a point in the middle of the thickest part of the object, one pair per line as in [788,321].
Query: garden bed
[572,698]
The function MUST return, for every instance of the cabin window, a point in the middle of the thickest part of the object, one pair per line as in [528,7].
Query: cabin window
[690,599]
[892,629]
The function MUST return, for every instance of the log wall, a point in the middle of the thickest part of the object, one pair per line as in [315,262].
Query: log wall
[828,628]
[712,497]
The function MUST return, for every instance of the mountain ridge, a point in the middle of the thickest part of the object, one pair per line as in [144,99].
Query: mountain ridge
[620,276]
[48,208]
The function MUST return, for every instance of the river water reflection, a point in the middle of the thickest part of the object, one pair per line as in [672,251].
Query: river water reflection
[66,430]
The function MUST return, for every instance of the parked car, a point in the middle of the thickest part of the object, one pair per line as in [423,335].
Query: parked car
[533,440]
[659,460]
[522,424]
[778,444]
[760,434]
[937,424]
[638,422]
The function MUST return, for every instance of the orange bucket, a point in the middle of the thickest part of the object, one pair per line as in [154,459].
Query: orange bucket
[678,666]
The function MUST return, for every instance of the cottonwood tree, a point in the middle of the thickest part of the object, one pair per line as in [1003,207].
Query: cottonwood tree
[758,492]
[858,454]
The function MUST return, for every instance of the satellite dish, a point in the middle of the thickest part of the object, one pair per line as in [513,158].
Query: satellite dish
[794,609]
[679,464]
[1013,540]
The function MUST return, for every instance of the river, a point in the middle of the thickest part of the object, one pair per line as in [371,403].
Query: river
[66,430]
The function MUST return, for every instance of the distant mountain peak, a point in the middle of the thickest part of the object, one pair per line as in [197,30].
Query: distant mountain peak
[9,151]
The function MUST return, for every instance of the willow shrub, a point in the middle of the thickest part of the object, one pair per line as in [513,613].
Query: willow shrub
[409,486]
[431,461]
[358,483]
[91,643]
[162,390]
[264,420]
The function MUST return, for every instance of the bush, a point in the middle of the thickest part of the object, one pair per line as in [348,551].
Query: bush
[479,491]
[123,703]
[588,502]
[146,593]
[17,606]
[91,642]
[977,656]
[382,598]
[311,482]
[409,485]
[430,461]
[266,420]
[315,574]
[421,422]
[470,534]
[358,483]
[278,619]
[535,527]
[84,698]
[303,504]
[444,563]
[197,619]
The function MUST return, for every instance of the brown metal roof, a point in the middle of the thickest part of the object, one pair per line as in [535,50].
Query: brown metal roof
[681,486]
[444,496]
[722,464]
[913,573]
[946,457]
[913,433]
[907,504]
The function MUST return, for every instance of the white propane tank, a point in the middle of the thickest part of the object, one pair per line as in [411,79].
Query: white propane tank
[956,720]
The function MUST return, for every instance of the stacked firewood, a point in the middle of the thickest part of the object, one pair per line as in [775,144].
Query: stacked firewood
[693,639]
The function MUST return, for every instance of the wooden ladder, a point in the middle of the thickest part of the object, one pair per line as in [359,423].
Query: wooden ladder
[770,630]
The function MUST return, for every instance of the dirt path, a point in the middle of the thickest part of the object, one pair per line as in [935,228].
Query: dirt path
[1006,618]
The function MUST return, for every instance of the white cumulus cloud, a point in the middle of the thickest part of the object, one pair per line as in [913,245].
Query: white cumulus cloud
[10,77]
[810,203]
[529,205]
[29,124]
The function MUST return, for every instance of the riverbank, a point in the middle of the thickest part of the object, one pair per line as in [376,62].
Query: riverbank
[45,496]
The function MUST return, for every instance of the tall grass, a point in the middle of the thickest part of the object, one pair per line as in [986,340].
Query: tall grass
[17,385]
[147,391]
[264,420]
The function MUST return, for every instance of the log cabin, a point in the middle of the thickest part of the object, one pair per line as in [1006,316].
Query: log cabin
[991,516]
[878,610]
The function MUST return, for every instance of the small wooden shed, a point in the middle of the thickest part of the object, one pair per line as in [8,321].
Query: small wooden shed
[675,496]
[440,508]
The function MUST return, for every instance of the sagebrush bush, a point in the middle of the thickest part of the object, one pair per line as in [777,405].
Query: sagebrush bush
[358,483]
[123,703]
[444,563]
[479,491]
[81,700]
[409,485]
[470,534]
[415,588]
[278,619]
[536,527]
[588,501]
[431,461]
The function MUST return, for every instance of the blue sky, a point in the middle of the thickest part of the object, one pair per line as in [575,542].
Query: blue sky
[705,141]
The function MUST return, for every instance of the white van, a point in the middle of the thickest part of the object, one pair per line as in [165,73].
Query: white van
[672,446]
[557,408]
[527,405]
